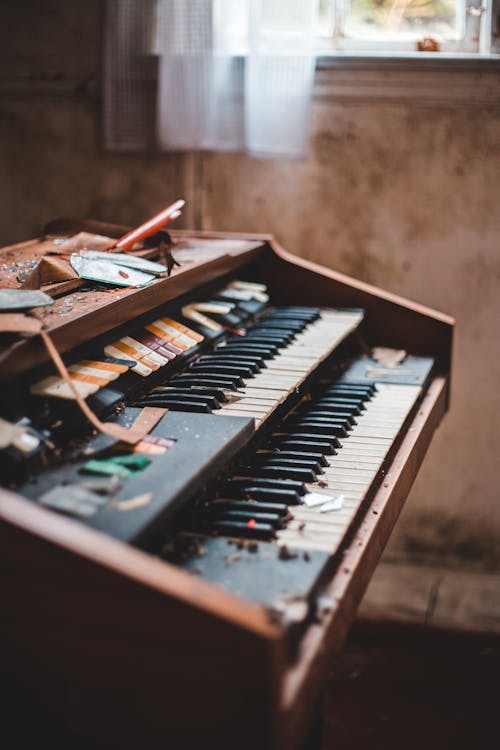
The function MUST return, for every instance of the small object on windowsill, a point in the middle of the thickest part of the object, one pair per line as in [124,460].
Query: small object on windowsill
[428,44]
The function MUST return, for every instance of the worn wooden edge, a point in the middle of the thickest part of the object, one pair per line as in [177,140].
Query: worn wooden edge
[362,285]
[438,327]
[30,352]
[302,682]
[133,564]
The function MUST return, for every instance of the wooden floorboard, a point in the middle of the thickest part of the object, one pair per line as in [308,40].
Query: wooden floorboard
[450,598]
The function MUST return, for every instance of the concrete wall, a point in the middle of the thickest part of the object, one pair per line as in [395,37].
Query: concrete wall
[400,188]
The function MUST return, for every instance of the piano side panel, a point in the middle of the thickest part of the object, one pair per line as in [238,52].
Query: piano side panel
[304,679]
[92,658]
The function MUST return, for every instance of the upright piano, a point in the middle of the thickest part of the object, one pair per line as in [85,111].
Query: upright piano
[195,587]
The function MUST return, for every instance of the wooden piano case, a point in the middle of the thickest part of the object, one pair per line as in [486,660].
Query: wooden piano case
[106,646]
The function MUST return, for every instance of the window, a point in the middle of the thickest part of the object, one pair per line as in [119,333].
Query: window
[392,26]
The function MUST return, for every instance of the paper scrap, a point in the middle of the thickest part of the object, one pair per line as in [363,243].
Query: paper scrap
[335,504]
[23,299]
[107,272]
[124,259]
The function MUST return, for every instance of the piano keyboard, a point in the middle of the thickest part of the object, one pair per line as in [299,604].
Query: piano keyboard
[301,488]
[350,473]
[300,491]
[286,371]
[250,375]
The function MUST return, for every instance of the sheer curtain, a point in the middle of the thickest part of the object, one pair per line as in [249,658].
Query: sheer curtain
[209,75]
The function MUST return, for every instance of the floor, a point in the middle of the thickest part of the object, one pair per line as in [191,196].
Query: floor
[405,688]
[421,668]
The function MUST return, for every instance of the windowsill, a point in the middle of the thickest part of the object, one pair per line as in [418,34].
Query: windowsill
[408,60]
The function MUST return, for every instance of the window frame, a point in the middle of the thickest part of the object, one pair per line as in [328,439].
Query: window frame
[478,41]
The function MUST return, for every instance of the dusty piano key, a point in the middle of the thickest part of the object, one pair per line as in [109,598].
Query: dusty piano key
[220,369]
[57,387]
[248,489]
[266,351]
[318,428]
[282,452]
[255,359]
[215,381]
[117,350]
[229,503]
[297,460]
[160,399]
[143,353]
[179,404]
[212,396]
[250,362]
[250,529]
[111,370]
[305,445]
[334,414]
[156,344]
[216,514]
[242,480]
[270,472]
[218,393]
[283,324]
[170,336]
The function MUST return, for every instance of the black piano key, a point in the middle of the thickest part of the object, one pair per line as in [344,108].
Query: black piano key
[340,407]
[155,398]
[270,472]
[332,405]
[103,401]
[215,381]
[344,398]
[250,307]
[304,463]
[328,418]
[287,323]
[243,369]
[347,403]
[261,507]
[274,519]
[242,480]
[333,413]
[306,313]
[330,440]
[305,445]
[239,361]
[319,428]
[231,370]
[279,342]
[254,359]
[216,393]
[284,453]
[176,405]
[357,387]
[268,334]
[370,387]
[349,393]
[227,319]
[251,529]
[261,494]
[283,332]
[267,351]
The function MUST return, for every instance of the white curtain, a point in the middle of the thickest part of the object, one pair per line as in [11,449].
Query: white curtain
[209,74]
